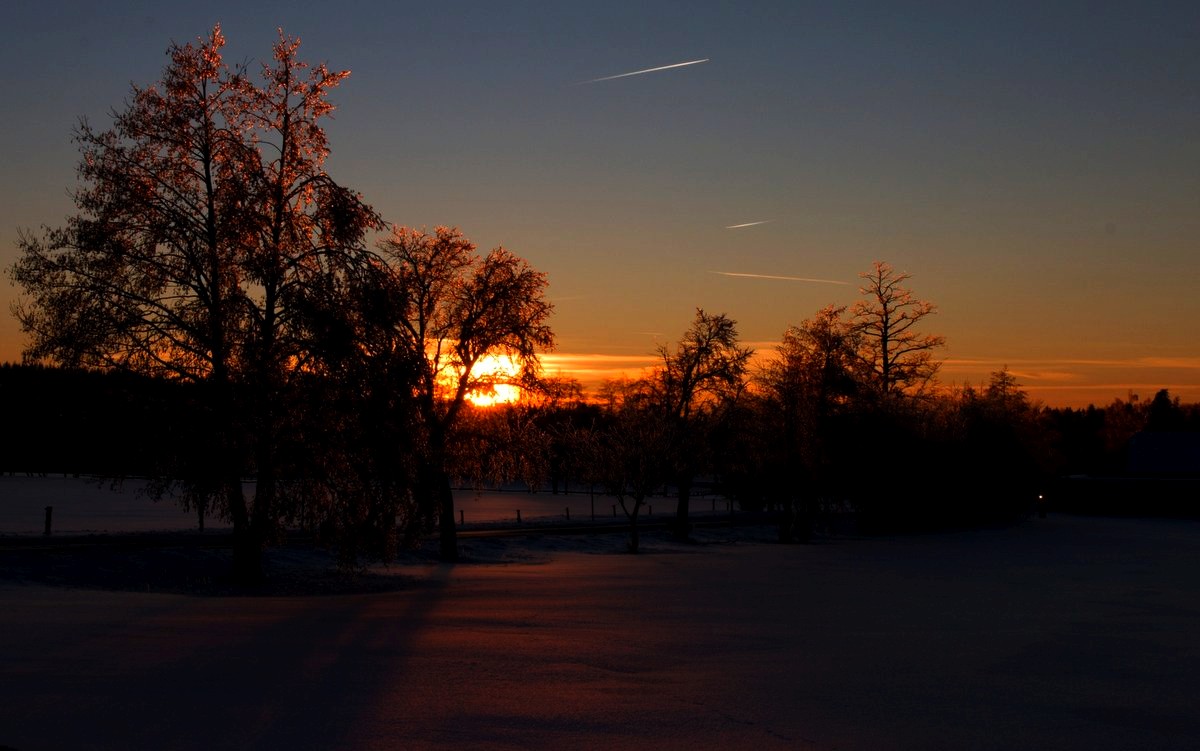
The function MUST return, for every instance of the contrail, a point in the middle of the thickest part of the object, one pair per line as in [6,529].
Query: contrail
[748,224]
[647,70]
[784,278]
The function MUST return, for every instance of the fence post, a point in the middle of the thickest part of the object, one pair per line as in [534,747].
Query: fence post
[568,510]
[460,517]
[518,516]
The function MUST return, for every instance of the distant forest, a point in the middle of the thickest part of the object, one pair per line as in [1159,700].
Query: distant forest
[964,456]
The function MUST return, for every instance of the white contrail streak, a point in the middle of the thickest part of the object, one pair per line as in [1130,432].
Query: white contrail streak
[647,70]
[748,224]
[783,278]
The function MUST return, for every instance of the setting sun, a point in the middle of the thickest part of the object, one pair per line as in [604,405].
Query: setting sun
[498,372]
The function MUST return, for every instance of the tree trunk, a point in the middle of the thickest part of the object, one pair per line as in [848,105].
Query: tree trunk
[447,532]
[263,518]
[247,550]
[437,499]
[263,514]
[247,559]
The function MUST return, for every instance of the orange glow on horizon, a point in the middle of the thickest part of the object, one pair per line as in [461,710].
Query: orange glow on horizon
[1056,382]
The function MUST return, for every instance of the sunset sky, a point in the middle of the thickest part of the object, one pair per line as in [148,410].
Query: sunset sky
[1035,166]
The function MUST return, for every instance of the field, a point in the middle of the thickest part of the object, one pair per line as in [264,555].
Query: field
[85,505]
[1066,632]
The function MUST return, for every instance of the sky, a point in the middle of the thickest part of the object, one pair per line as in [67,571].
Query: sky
[1034,166]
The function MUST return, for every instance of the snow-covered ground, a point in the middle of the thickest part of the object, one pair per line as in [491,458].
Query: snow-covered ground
[85,505]
[1060,633]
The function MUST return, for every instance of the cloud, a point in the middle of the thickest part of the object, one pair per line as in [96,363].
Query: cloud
[647,70]
[1077,382]
[1187,363]
[1074,382]
[592,369]
[1151,363]
[592,360]
[748,224]
[773,276]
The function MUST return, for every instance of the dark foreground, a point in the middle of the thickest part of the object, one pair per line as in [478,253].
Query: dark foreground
[1066,632]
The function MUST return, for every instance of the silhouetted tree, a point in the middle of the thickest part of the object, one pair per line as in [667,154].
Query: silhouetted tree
[499,444]
[695,376]
[1121,420]
[997,449]
[806,387]
[356,488]
[204,220]
[1079,445]
[1004,393]
[898,359]
[450,307]
[632,450]
[560,409]
[534,440]
[1164,413]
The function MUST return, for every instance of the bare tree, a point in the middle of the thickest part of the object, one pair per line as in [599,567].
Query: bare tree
[631,451]
[451,307]
[704,368]
[897,358]
[205,219]
[813,376]
[816,365]
[531,436]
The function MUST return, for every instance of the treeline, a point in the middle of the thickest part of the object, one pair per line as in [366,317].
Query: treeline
[222,312]
[819,431]
[60,420]
[805,437]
